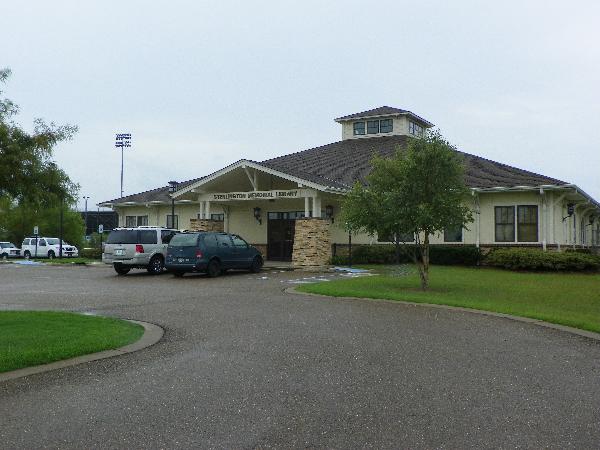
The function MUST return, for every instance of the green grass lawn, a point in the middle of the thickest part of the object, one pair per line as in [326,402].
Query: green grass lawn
[29,338]
[66,260]
[562,298]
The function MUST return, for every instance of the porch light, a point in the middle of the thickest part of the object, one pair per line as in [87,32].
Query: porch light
[329,212]
[257,215]
[173,186]
[570,211]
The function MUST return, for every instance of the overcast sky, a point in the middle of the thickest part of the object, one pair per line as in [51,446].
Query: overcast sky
[203,84]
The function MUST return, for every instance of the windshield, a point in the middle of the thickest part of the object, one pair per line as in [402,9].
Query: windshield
[123,237]
[52,241]
[6,245]
[184,240]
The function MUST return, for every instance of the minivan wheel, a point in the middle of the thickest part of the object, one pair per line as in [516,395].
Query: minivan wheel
[51,254]
[27,254]
[214,269]
[156,265]
[121,269]
[257,264]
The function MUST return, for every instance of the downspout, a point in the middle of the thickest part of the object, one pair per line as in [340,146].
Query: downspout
[544,220]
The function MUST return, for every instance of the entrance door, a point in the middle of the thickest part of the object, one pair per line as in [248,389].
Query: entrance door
[280,239]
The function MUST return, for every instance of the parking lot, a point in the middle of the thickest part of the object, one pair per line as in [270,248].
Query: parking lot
[245,365]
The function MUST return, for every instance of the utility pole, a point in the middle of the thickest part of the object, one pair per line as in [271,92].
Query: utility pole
[122,140]
[86,214]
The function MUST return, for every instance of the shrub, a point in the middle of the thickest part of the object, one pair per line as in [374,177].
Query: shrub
[538,260]
[386,254]
[92,253]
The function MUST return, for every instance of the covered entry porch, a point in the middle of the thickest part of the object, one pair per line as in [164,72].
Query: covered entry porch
[287,220]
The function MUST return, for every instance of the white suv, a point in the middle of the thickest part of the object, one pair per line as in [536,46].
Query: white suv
[140,248]
[46,247]
[8,250]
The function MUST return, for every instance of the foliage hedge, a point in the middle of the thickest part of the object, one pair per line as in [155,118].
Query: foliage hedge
[538,260]
[386,254]
[92,253]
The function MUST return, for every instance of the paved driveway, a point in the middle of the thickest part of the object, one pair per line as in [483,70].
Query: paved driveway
[244,365]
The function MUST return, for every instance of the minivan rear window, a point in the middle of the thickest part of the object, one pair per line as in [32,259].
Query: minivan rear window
[184,240]
[122,237]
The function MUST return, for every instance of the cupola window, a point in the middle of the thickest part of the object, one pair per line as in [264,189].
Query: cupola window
[415,129]
[359,128]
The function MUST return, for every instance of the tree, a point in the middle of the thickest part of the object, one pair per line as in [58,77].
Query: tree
[33,189]
[27,171]
[419,192]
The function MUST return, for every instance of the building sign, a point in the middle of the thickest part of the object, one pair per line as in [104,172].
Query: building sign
[256,195]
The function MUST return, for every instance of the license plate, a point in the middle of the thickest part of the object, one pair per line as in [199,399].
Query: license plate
[181,259]
[119,252]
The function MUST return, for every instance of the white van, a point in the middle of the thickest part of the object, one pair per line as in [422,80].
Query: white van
[46,247]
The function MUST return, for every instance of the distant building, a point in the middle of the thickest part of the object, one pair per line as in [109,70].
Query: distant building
[287,206]
[109,219]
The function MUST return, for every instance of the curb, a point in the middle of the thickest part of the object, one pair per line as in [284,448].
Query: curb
[152,334]
[541,323]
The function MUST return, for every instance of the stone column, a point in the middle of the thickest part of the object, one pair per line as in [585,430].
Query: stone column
[312,243]
[206,225]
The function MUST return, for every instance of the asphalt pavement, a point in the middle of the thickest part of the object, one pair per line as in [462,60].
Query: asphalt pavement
[243,364]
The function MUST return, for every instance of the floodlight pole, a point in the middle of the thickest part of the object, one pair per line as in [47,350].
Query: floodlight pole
[122,140]
[121,172]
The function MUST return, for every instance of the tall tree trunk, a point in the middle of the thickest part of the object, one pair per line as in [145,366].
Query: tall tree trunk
[424,263]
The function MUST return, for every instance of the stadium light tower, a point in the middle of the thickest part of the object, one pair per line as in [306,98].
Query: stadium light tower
[122,140]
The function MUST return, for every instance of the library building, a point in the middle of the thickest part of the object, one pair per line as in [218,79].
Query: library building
[288,206]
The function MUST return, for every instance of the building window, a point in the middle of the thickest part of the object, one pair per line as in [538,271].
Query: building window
[359,128]
[172,223]
[136,221]
[415,129]
[505,223]
[218,217]
[372,126]
[386,125]
[453,234]
[527,223]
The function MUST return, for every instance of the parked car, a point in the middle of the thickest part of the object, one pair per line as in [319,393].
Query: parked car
[9,250]
[47,247]
[211,252]
[139,247]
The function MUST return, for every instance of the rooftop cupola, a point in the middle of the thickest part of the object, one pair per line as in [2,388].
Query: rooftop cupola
[382,121]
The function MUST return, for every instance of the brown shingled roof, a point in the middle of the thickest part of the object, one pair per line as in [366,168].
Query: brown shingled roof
[160,194]
[340,164]
[347,161]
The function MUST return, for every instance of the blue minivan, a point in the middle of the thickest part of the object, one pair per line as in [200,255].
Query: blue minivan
[210,252]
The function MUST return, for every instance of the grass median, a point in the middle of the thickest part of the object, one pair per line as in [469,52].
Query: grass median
[67,260]
[30,338]
[570,299]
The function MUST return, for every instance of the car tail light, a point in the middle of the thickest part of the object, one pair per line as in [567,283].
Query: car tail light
[199,254]
[139,248]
